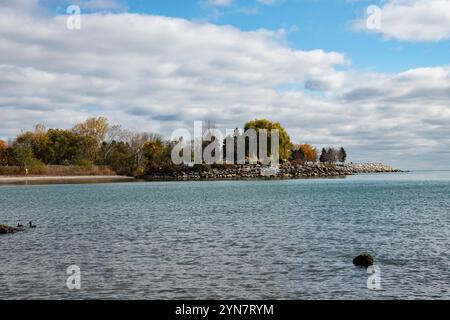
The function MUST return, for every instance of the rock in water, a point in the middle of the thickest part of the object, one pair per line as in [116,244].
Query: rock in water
[7,229]
[363,260]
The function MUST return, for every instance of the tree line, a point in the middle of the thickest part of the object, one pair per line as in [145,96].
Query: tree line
[93,142]
[97,142]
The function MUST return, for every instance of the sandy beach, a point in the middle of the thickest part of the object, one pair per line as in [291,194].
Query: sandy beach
[13,179]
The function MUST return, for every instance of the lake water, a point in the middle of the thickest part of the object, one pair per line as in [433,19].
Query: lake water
[290,239]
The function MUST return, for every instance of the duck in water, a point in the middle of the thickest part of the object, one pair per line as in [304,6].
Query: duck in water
[31,225]
[19,225]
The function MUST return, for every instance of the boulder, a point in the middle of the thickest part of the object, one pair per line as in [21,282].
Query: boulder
[363,260]
[4,229]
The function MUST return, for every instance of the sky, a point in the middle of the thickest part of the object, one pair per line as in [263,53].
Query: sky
[373,76]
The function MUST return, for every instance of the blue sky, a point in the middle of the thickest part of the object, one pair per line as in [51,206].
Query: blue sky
[312,65]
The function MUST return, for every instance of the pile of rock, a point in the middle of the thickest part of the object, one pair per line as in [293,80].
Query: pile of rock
[286,170]
[4,229]
[370,168]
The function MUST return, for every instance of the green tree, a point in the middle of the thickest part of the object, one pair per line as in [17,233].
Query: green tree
[38,141]
[154,150]
[23,157]
[64,146]
[126,156]
[285,143]
[121,158]
[157,153]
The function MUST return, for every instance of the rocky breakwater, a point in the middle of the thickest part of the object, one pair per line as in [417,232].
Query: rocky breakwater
[371,168]
[258,171]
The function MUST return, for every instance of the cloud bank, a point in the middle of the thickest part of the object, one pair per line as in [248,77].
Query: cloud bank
[414,20]
[157,74]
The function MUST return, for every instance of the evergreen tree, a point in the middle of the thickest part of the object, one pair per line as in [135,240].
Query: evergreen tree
[331,155]
[323,156]
[342,155]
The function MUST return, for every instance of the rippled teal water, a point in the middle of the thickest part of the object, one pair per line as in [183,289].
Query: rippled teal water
[290,239]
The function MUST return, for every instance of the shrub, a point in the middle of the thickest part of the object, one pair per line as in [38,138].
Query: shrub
[37,167]
[11,170]
[83,163]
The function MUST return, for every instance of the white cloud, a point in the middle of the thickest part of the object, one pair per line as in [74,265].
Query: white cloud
[414,20]
[19,7]
[145,67]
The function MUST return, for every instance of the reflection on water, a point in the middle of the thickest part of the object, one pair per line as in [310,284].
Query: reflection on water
[229,239]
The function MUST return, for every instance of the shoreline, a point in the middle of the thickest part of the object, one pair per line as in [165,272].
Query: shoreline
[46,178]
[235,172]
[259,172]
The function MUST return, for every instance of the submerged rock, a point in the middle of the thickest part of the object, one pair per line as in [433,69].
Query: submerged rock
[4,229]
[363,260]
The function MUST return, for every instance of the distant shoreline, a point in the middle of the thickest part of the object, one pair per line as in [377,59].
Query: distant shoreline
[235,172]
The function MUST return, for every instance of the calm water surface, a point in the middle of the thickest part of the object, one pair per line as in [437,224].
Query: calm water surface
[292,239]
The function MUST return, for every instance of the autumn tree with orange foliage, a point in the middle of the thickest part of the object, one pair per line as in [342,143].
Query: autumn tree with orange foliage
[304,153]
[3,153]
[310,152]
